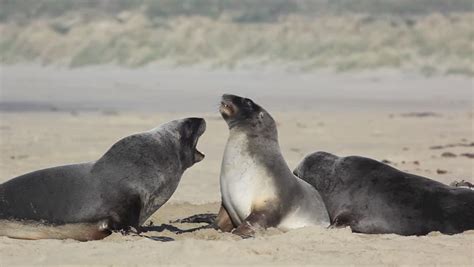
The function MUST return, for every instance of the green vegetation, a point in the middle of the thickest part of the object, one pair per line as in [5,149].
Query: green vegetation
[430,36]
[239,10]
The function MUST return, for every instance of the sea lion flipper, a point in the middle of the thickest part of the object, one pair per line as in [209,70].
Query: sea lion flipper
[32,230]
[245,230]
[342,220]
[223,221]
[255,221]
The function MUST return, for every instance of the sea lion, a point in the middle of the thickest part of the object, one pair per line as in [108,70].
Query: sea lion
[257,187]
[374,198]
[87,201]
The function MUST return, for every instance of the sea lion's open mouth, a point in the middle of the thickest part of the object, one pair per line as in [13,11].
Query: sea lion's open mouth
[226,108]
[198,155]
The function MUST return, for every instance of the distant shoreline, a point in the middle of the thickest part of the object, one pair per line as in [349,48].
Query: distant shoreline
[109,89]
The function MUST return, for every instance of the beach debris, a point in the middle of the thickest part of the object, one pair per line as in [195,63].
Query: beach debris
[19,157]
[110,112]
[448,155]
[453,145]
[421,114]
[160,238]
[301,125]
[462,183]
[208,218]
[468,155]
[440,171]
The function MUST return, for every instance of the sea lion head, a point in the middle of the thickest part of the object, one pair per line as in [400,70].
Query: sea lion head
[245,114]
[186,133]
[317,169]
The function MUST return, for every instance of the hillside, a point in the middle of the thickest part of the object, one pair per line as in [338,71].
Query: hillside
[425,36]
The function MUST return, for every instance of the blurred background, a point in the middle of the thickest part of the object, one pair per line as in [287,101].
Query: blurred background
[227,45]
[397,75]
[429,36]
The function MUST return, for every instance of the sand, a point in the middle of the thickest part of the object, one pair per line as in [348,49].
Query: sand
[61,131]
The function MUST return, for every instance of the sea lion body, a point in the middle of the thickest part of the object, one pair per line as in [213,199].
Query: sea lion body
[257,187]
[372,197]
[122,189]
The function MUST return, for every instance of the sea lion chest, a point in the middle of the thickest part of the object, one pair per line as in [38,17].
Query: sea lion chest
[244,180]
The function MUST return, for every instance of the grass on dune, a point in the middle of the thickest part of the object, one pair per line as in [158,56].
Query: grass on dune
[433,43]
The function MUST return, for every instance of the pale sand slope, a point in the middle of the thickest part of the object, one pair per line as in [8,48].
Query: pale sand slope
[30,141]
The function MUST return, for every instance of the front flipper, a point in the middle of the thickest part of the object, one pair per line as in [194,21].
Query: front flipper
[257,220]
[246,229]
[223,221]
[342,219]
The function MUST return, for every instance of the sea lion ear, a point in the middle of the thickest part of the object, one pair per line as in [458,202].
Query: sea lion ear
[261,115]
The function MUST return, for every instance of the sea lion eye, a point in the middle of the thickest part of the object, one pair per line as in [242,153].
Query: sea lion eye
[248,102]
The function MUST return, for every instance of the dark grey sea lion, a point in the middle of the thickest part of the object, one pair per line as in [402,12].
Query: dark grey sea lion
[374,198]
[257,187]
[87,201]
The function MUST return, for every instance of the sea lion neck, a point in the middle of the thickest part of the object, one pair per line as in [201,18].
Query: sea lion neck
[254,132]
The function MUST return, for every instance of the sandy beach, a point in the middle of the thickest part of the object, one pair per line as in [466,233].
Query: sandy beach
[52,116]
